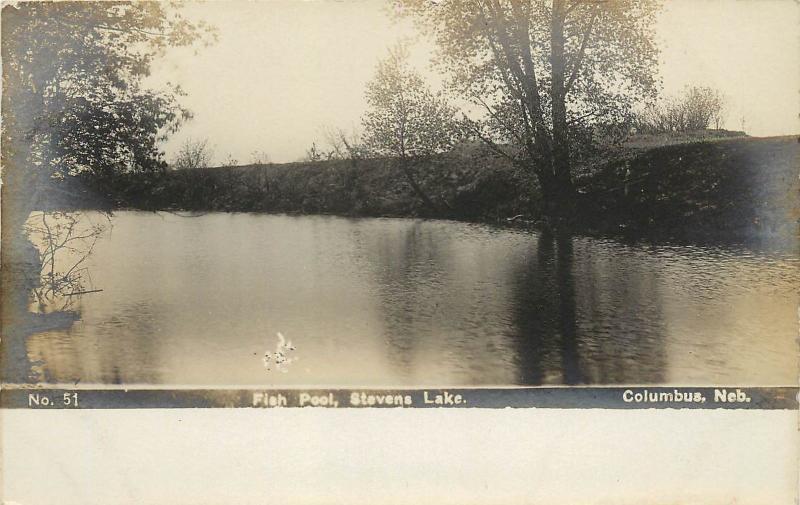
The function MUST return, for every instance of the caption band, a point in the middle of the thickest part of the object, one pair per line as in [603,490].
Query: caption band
[760,398]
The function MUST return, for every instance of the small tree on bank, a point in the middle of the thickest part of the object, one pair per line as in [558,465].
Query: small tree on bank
[698,108]
[193,154]
[405,119]
[343,145]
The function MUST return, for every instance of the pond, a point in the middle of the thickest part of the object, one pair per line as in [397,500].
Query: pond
[199,300]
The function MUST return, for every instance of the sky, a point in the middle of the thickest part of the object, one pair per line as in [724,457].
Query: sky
[284,70]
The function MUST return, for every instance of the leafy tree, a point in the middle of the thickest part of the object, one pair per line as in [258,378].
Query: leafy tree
[549,75]
[705,107]
[74,105]
[698,108]
[193,154]
[405,119]
[73,101]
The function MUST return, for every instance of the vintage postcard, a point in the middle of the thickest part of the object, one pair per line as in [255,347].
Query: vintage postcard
[502,222]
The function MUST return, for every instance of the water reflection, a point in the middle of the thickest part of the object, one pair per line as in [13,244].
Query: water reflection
[44,282]
[545,315]
[64,240]
[618,288]
[393,302]
[403,259]
[442,301]
[570,358]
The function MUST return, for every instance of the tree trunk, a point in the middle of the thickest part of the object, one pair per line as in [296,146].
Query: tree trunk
[563,191]
[406,168]
[20,270]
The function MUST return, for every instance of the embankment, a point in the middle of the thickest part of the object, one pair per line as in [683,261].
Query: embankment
[735,189]
[717,189]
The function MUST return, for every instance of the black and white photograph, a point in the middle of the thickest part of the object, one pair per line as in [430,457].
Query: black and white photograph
[404,193]
[450,252]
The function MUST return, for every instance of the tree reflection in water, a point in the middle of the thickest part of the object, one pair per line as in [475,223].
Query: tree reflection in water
[544,312]
[587,317]
[412,302]
[65,241]
[46,282]
[570,358]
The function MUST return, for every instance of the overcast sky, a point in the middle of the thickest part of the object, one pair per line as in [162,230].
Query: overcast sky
[283,70]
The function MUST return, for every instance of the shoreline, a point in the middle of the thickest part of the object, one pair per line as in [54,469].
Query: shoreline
[737,190]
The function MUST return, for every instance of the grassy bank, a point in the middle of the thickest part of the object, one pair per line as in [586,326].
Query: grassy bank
[735,189]
[701,185]
[469,183]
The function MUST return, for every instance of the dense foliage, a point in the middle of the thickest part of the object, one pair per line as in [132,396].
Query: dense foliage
[73,99]
[550,76]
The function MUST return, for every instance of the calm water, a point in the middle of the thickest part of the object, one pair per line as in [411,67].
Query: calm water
[199,300]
